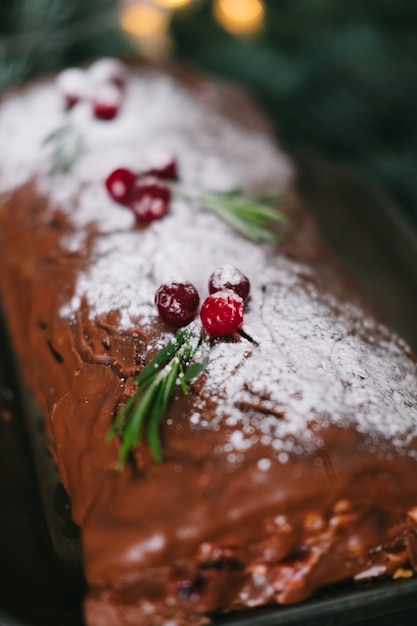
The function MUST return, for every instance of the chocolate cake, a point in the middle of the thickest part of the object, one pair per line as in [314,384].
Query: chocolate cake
[291,463]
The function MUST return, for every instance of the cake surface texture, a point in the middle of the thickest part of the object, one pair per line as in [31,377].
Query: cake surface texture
[292,462]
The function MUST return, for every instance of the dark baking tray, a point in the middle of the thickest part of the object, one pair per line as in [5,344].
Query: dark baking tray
[39,582]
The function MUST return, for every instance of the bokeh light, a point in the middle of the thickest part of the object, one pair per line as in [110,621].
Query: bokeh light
[141,19]
[172,4]
[240,17]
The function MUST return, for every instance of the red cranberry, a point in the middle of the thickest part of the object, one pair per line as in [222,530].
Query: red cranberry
[163,165]
[73,86]
[107,101]
[177,302]
[229,277]
[222,313]
[107,70]
[120,185]
[70,100]
[149,199]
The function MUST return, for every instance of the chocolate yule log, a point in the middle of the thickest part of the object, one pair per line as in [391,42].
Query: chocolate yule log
[286,460]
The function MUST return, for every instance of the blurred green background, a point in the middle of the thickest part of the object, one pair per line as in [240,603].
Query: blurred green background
[338,78]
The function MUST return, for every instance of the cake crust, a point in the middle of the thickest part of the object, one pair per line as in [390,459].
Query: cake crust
[291,464]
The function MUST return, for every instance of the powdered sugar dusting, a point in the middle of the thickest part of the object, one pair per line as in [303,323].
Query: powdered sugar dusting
[310,358]
[230,274]
[313,362]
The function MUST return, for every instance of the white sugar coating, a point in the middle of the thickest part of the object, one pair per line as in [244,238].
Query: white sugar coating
[156,115]
[106,70]
[231,274]
[74,82]
[312,362]
[226,275]
[17,129]
[311,357]
[108,94]
[264,464]
[130,265]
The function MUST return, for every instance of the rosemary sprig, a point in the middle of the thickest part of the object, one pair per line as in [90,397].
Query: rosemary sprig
[66,147]
[175,365]
[253,216]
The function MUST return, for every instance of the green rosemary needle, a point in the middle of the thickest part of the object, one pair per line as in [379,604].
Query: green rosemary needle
[66,147]
[252,215]
[175,365]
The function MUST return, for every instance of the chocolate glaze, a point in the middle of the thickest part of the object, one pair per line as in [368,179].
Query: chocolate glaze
[292,463]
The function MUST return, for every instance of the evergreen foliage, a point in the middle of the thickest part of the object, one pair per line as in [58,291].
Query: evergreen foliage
[41,36]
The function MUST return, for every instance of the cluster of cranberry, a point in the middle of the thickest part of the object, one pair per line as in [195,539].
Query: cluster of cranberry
[102,85]
[222,311]
[146,193]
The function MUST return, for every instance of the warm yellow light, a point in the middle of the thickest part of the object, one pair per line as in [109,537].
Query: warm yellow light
[143,20]
[240,17]
[172,4]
